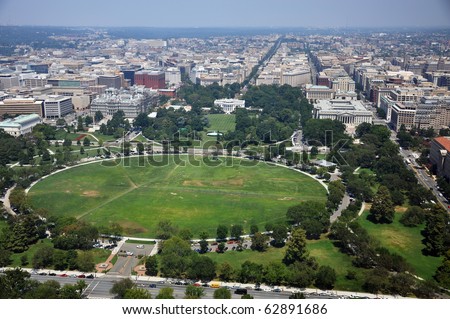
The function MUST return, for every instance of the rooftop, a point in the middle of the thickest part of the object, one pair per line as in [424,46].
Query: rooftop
[444,141]
[20,120]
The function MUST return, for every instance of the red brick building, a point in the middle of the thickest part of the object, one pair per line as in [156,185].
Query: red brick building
[150,79]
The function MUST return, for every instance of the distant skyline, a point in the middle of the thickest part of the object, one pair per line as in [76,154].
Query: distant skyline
[227,13]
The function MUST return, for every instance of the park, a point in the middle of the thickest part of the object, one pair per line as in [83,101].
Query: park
[139,194]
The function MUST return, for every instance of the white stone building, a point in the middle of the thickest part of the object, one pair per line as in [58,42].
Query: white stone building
[21,124]
[229,105]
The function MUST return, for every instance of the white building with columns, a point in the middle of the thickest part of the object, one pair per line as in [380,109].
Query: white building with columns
[350,112]
[229,105]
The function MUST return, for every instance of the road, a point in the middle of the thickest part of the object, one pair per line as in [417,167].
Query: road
[7,203]
[422,175]
[99,287]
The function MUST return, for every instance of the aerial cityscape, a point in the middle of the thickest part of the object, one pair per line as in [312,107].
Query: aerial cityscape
[289,153]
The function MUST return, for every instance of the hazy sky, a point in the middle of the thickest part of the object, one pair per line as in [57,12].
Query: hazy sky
[227,13]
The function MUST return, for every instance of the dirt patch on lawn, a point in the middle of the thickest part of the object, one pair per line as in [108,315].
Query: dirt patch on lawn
[229,182]
[193,183]
[91,193]
[132,227]
[400,209]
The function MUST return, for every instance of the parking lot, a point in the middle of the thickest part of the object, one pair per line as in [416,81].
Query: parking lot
[128,257]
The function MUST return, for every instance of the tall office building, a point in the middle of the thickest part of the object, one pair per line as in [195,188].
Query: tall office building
[150,79]
[110,81]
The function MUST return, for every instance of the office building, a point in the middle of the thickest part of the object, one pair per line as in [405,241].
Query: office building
[440,156]
[17,106]
[57,106]
[150,79]
[351,113]
[110,81]
[402,114]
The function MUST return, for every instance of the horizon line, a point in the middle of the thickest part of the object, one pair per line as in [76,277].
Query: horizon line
[230,27]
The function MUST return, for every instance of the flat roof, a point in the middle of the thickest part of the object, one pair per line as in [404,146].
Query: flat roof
[444,141]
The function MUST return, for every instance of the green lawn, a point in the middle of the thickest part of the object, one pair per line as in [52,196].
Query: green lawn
[328,255]
[237,258]
[219,122]
[140,138]
[404,241]
[29,253]
[139,195]
[100,255]
[323,250]
[62,134]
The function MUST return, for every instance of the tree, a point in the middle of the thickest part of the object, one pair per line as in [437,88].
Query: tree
[80,124]
[222,232]
[47,290]
[43,257]
[203,246]
[175,257]
[251,272]
[60,260]
[88,120]
[382,210]
[98,116]
[201,268]
[436,231]
[309,215]
[151,266]
[69,292]
[5,257]
[314,151]
[222,293]
[46,156]
[279,235]
[401,284]
[221,248]
[120,287]
[247,296]
[253,229]
[259,242]
[413,216]
[15,284]
[165,293]
[81,150]
[300,274]
[296,247]
[193,292]
[443,272]
[376,281]
[137,293]
[275,273]
[185,234]
[85,261]
[226,271]
[165,229]
[86,142]
[325,278]
[236,231]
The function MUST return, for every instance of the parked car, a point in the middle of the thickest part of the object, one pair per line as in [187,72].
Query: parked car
[152,286]
[90,276]
[81,276]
